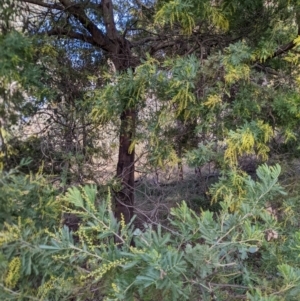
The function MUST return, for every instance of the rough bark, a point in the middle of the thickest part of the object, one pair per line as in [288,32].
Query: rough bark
[125,168]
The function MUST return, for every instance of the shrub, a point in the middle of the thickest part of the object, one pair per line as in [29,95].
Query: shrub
[225,255]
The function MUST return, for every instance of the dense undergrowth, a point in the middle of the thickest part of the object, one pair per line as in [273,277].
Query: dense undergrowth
[248,249]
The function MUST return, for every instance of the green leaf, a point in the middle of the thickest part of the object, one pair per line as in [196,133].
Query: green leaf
[47,247]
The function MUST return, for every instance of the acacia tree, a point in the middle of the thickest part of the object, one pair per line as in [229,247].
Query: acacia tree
[124,31]
[233,87]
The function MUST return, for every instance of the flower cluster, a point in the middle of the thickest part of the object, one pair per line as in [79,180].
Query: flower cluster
[106,267]
[13,273]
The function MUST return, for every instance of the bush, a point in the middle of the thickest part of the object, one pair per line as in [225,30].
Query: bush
[226,255]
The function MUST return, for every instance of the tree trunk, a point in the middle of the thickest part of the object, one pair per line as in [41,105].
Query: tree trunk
[124,199]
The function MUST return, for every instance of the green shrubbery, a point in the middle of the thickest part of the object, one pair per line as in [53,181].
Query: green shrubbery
[249,251]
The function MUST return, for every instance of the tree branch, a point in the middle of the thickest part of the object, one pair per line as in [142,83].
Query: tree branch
[284,48]
[72,35]
[163,45]
[144,40]
[98,36]
[108,16]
